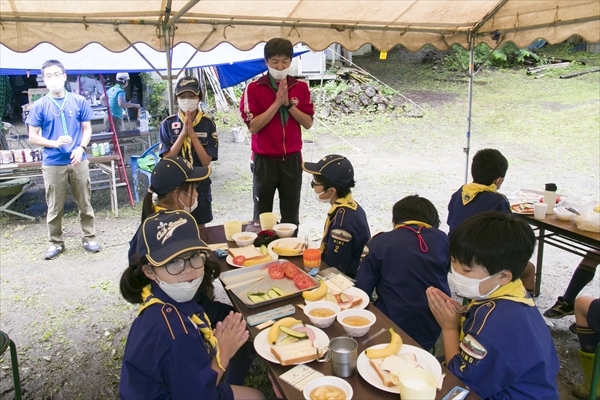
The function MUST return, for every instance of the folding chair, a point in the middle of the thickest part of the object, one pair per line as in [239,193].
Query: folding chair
[138,166]
[12,135]
[5,342]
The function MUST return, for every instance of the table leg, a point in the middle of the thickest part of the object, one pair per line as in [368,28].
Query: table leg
[113,189]
[540,258]
[5,209]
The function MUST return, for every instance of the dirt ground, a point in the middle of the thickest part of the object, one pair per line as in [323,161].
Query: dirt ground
[70,323]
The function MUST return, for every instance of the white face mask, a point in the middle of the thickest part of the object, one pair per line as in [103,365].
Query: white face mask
[192,207]
[469,287]
[186,105]
[181,291]
[55,85]
[318,196]
[279,75]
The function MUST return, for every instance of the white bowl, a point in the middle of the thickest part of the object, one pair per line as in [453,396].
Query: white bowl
[244,238]
[356,331]
[285,230]
[329,381]
[322,322]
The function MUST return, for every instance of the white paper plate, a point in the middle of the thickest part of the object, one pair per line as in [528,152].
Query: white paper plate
[273,255]
[263,348]
[353,291]
[426,360]
[286,242]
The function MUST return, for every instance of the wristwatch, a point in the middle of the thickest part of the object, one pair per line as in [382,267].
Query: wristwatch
[83,147]
[290,105]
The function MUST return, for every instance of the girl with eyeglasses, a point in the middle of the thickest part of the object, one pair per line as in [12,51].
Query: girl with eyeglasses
[172,350]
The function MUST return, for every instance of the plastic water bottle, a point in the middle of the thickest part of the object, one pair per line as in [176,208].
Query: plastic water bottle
[143,121]
[95,149]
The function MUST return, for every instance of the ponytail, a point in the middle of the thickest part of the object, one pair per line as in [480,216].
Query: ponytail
[132,282]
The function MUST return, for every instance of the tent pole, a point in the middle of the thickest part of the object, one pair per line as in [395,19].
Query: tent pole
[471,74]
[167,31]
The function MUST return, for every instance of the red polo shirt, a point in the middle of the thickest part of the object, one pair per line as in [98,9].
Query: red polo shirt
[275,140]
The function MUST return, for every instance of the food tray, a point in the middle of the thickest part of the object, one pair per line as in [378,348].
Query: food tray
[257,271]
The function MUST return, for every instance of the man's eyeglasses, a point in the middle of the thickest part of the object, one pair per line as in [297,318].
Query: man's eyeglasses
[313,184]
[54,75]
[177,265]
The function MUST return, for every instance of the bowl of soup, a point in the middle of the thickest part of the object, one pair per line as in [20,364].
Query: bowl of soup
[285,230]
[243,239]
[328,388]
[321,313]
[356,322]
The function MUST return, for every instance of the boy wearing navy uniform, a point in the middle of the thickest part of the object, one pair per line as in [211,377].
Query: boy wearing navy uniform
[503,348]
[346,229]
[275,108]
[193,136]
[403,263]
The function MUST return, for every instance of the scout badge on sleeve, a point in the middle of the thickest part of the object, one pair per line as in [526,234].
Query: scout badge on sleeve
[471,350]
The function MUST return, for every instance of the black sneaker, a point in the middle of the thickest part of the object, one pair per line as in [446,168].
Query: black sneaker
[53,252]
[573,328]
[560,309]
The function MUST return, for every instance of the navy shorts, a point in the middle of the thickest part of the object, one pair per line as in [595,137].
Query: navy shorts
[203,213]
[593,316]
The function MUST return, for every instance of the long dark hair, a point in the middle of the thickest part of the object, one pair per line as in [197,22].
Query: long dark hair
[133,280]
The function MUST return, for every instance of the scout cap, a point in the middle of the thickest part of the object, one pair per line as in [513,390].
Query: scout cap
[122,77]
[171,172]
[187,84]
[334,167]
[168,234]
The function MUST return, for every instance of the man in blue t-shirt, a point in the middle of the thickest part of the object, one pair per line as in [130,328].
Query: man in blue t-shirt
[116,102]
[61,123]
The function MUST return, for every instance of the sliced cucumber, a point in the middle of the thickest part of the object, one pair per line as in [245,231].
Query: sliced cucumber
[272,294]
[289,340]
[257,297]
[293,333]
[344,298]
[279,291]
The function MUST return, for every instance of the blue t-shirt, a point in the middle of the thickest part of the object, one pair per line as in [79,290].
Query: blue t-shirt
[45,115]
[113,100]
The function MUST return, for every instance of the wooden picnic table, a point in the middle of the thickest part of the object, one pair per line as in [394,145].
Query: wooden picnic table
[362,389]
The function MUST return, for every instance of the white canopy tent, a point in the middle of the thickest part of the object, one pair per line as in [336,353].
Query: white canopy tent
[161,24]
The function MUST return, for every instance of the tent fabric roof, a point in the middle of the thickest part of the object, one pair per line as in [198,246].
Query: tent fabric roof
[72,24]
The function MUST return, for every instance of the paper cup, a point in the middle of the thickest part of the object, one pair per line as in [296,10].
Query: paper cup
[539,210]
[231,228]
[267,220]
[417,384]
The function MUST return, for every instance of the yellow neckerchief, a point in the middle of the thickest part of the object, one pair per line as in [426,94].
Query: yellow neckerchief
[469,191]
[156,208]
[186,149]
[204,327]
[513,291]
[422,245]
[347,202]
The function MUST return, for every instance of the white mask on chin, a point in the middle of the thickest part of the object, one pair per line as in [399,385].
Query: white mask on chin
[186,105]
[181,291]
[279,75]
[191,208]
[327,200]
[55,85]
[469,287]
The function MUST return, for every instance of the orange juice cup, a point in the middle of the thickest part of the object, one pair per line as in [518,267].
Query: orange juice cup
[311,258]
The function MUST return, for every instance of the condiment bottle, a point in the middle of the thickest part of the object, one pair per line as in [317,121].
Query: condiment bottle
[550,197]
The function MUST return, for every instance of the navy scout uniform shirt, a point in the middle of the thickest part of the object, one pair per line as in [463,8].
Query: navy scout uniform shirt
[401,271]
[483,201]
[166,356]
[345,235]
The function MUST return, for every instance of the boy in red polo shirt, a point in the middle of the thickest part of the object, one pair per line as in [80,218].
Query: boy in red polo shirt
[275,108]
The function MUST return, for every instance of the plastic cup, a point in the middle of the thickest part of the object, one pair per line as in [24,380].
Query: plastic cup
[231,228]
[311,258]
[539,210]
[267,220]
[417,384]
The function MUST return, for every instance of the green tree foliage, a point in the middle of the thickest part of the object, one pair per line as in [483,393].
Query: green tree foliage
[507,56]
[155,98]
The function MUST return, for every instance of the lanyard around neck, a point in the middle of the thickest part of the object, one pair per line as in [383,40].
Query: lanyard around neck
[61,110]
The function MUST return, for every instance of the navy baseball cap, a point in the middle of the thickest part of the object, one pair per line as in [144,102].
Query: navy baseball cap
[334,167]
[187,84]
[171,172]
[167,234]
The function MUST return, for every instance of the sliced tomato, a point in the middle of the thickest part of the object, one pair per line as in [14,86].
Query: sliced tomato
[239,260]
[303,281]
[289,269]
[276,272]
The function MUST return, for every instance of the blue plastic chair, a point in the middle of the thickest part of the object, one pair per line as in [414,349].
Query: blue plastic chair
[136,170]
